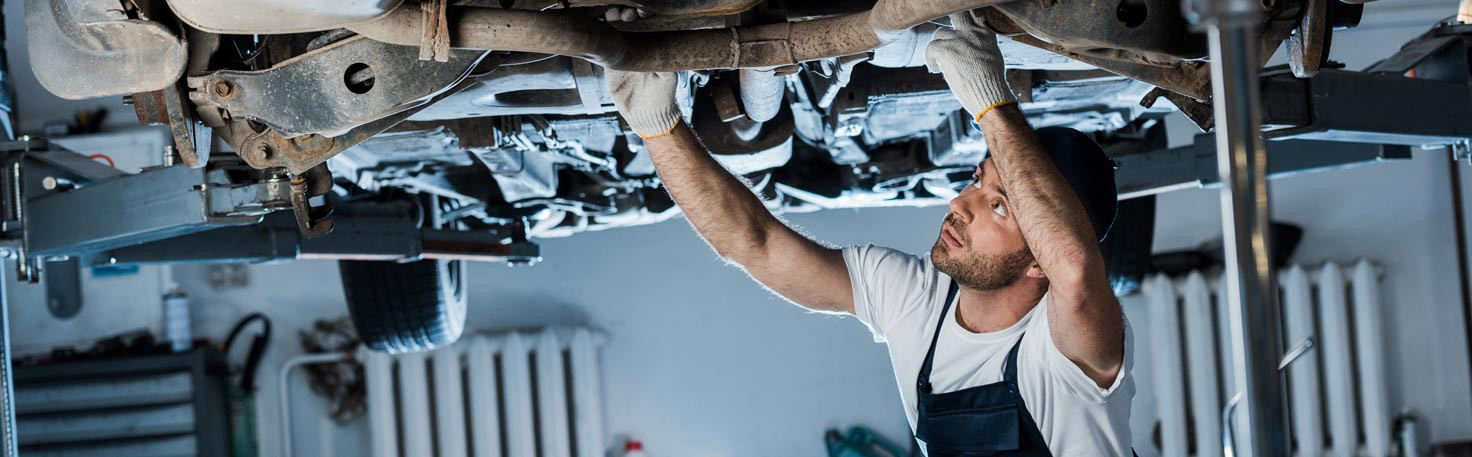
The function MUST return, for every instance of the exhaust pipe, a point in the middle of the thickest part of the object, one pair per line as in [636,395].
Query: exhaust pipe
[761,93]
[759,46]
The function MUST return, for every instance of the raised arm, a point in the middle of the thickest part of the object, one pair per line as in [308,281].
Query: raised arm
[1085,319]
[723,208]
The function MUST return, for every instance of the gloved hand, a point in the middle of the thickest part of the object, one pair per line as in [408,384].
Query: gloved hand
[646,100]
[967,56]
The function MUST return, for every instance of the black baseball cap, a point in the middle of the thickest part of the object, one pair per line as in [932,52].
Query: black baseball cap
[1088,171]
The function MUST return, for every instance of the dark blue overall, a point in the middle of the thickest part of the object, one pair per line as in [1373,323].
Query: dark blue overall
[989,420]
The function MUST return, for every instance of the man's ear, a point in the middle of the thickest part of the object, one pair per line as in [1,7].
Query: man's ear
[1034,270]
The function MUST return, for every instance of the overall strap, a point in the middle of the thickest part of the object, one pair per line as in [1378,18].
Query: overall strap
[1009,371]
[924,379]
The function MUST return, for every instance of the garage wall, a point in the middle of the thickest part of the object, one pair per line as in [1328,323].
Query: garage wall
[703,362]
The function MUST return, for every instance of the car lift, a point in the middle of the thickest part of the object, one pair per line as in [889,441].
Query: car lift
[1332,105]
[58,204]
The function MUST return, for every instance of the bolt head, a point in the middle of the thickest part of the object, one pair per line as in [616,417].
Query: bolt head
[261,151]
[224,89]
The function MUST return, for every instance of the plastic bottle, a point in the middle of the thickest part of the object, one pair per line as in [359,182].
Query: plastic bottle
[1407,444]
[634,448]
[176,320]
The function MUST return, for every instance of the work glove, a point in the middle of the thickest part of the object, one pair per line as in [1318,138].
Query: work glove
[646,100]
[967,56]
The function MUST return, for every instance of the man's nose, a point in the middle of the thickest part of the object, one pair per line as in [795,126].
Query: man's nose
[960,209]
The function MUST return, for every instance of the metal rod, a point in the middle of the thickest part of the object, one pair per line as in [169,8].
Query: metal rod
[1454,173]
[1229,436]
[283,388]
[1242,162]
[8,439]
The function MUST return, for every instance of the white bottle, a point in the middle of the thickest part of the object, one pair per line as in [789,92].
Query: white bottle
[634,448]
[176,320]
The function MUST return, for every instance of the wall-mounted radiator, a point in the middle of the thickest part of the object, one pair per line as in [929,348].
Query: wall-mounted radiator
[1336,392]
[516,394]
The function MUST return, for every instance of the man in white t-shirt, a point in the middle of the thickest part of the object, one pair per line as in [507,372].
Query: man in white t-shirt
[1006,339]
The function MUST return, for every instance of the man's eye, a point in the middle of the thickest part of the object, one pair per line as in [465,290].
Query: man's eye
[1000,209]
[976,183]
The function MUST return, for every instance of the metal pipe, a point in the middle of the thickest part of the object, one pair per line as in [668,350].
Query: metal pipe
[8,447]
[1229,436]
[1242,162]
[1459,225]
[757,46]
[761,93]
[283,388]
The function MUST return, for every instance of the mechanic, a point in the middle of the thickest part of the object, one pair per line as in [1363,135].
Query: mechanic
[1007,339]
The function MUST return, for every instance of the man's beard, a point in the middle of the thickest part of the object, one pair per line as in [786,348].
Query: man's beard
[980,271]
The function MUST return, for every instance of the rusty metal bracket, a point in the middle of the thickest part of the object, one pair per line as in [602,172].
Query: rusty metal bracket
[1191,78]
[192,139]
[1146,31]
[311,220]
[268,148]
[1198,111]
[1308,47]
[332,89]
[1187,77]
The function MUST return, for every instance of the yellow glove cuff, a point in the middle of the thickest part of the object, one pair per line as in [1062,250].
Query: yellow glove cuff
[660,134]
[990,107]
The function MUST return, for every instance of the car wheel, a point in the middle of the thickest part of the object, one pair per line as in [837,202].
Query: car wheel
[405,307]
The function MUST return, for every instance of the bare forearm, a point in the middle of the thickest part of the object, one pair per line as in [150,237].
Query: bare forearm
[740,228]
[720,206]
[1050,215]
[1087,322]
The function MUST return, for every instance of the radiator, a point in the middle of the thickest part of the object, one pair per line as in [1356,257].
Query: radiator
[1336,392]
[516,394]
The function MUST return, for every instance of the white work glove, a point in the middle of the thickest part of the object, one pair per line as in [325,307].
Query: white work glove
[646,100]
[967,56]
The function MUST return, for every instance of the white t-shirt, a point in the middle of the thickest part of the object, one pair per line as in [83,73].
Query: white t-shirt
[899,296]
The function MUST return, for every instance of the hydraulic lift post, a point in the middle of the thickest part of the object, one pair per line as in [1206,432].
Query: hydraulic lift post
[8,446]
[1242,162]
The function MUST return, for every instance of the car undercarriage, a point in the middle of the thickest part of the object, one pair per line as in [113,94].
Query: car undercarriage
[431,132]
[499,108]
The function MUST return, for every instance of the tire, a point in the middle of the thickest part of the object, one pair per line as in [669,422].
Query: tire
[405,307]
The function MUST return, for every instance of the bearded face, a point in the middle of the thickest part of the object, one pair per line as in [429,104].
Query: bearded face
[980,244]
[972,266]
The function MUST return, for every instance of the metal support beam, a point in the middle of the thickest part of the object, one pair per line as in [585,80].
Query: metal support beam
[1363,107]
[356,238]
[8,439]
[155,204]
[1242,162]
[1195,165]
